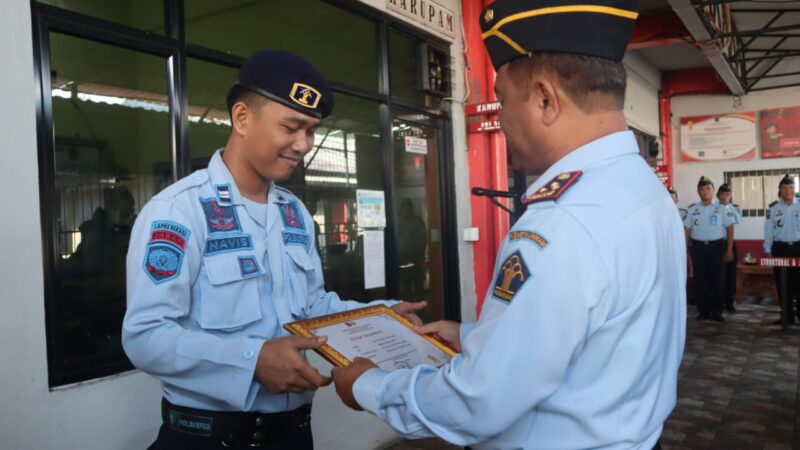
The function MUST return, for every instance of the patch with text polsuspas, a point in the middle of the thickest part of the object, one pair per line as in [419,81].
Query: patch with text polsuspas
[165,249]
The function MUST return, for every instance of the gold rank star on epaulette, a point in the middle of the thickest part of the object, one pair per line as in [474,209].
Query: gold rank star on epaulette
[554,188]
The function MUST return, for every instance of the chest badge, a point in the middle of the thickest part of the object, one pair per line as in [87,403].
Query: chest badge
[513,274]
[219,218]
[290,214]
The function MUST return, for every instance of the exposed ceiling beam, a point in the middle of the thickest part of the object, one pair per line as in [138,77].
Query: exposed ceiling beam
[658,30]
[694,23]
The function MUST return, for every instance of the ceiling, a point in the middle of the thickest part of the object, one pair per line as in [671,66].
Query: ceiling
[752,45]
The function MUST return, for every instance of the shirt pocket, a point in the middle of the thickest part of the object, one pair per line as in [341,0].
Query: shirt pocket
[230,300]
[298,274]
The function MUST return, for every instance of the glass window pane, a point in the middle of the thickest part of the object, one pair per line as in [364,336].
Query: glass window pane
[147,15]
[419,225]
[347,156]
[340,43]
[209,121]
[112,154]
[404,71]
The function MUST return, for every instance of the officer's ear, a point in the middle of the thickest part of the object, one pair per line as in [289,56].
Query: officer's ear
[240,117]
[548,100]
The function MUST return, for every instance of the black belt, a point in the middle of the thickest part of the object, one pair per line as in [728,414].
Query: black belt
[707,242]
[235,428]
[788,244]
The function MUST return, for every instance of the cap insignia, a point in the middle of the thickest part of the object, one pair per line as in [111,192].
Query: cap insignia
[488,16]
[305,95]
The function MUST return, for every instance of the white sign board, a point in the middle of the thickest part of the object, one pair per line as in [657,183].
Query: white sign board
[371,209]
[718,138]
[427,13]
[416,145]
[374,262]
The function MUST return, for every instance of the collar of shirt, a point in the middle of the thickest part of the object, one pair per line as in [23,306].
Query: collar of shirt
[607,147]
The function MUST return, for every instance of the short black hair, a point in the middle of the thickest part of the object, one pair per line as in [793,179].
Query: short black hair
[238,93]
[594,84]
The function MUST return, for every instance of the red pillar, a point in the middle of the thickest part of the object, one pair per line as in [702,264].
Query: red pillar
[486,155]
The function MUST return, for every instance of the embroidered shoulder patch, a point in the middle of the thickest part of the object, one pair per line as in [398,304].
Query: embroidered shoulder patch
[165,249]
[536,238]
[554,188]
[220,219]
[295,239]
[513,274]
[248,265]
[292,218]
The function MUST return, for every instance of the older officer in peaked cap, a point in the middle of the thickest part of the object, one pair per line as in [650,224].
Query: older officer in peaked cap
[782,239]
[581,335]
[220,260]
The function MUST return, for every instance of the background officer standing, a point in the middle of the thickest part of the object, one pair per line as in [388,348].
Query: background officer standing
[674,194]
[709,227]
[220,260]
[782,239]
[729,291]
[580,338]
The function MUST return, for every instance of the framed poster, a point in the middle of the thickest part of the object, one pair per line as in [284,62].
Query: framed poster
[780,132]
[723,137]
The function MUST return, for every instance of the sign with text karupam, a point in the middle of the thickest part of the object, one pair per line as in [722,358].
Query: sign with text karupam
[375,332]
[723,137]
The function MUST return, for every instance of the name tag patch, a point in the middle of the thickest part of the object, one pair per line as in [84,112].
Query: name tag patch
[216,245]
[165,249]
[295,239]
[220,219]
[513,274]
[713,220]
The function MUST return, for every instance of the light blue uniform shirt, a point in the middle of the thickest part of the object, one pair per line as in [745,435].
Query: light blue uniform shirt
[709,223]
[782,223]
[210,278]
[585,354]
[737,213]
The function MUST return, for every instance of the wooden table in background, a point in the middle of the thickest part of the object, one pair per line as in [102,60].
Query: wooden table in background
[746,286]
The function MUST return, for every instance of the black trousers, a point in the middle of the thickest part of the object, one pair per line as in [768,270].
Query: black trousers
[708,261]
[788,250]
[730,279]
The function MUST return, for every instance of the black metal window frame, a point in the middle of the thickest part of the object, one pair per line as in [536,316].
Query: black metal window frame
[172,46]
[728,176]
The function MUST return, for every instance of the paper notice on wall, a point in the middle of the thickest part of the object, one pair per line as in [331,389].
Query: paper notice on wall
[724,137]
[374,261]
[416,145]
[371,209]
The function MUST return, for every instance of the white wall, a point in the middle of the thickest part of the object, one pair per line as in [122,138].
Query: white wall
[641,96]
[120,412]
[687,174]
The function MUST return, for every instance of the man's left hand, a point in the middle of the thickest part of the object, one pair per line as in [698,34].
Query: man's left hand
[345,377]
[728,256]
[409,311]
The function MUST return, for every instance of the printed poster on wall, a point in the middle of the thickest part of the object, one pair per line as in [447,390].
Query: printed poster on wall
[780,132]
[723,137]
[371,209]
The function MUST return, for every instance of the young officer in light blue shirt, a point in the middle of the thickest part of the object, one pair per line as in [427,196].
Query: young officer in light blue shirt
[220,260]
[782,239]
[581,335]
[729,290]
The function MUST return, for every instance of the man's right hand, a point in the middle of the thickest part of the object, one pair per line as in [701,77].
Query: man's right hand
[444,330]
[281,368]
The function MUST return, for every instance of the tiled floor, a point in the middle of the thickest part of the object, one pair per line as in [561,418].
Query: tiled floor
[737,390]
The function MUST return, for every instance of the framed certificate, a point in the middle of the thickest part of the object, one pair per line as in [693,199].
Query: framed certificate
[375,332]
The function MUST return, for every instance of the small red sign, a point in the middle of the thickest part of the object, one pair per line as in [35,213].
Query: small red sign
[482,108]
[483,126]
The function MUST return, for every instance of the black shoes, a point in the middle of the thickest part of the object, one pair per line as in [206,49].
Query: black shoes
[717,317]
[730,308]
[703,316]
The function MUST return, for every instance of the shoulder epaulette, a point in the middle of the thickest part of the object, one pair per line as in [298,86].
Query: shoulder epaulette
[554,188]
[773,203]
[196,179]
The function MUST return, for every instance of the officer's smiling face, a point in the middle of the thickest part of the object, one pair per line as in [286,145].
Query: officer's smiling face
[277,138]
[706,192]
[787,192]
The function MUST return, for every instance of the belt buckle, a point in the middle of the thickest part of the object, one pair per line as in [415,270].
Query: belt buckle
[707,242]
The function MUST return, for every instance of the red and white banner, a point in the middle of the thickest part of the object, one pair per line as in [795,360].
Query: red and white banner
[779,262]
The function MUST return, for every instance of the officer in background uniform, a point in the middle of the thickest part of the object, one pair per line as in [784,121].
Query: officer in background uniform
[220,260]
[674,194]
[709,228]
[782,239]
[581,335]
[729,292]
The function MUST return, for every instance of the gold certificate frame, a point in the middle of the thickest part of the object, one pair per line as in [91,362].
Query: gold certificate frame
[374,332]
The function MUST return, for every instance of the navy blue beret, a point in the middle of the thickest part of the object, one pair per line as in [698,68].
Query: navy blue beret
[289,80]
[514,28]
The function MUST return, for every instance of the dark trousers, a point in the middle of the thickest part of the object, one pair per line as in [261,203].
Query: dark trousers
[212,430]
[708,262]
[788,250]
[730,279]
